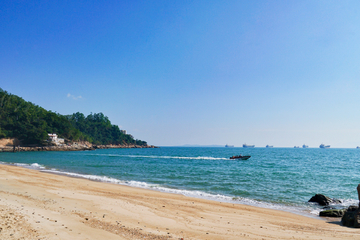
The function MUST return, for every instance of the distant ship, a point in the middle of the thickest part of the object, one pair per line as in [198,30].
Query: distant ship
[305,146]
[357,147]
[296,147]
[324,146]
[229,145]
[269,146]
[248,146]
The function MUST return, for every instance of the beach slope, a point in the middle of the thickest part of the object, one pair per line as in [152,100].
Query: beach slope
[39,205]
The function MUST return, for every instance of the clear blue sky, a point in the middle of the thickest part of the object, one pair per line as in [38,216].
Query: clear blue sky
[282,73]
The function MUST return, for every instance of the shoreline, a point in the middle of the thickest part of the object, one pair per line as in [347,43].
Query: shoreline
[54,206]
[73,147]
[302,211]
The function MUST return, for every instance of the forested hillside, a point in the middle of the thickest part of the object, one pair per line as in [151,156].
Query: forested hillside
[31,123]
[100,130]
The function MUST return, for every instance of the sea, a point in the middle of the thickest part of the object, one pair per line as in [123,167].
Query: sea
[276,178]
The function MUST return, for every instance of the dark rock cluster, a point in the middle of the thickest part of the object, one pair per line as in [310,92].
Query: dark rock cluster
[333,213]
[351,217]
[323,200]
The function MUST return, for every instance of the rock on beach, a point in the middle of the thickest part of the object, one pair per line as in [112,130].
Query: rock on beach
[323,200]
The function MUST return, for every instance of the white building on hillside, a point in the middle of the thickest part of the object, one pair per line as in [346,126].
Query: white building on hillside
[54,138]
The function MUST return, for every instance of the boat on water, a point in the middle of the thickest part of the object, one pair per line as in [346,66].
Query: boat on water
[324,146]
[229,145]
[305,146]
[240,157]
[296,147]
[248,146]
[269,146]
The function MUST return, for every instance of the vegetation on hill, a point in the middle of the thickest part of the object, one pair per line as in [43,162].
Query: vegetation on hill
[98,127]
[31,124]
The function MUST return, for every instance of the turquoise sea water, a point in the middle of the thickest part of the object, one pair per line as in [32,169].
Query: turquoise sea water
[280,178]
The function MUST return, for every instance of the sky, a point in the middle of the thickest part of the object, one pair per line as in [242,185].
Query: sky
[283,73]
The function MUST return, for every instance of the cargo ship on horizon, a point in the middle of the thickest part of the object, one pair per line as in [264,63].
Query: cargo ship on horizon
[248,146]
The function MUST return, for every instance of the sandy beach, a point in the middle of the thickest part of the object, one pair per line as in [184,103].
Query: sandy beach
[39,205]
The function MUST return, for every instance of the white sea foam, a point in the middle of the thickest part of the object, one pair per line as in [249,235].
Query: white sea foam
[197,194]
[35,166]
[349,202]
[188,193]
[90,177]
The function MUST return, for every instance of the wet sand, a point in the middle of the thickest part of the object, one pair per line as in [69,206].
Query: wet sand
[38,205]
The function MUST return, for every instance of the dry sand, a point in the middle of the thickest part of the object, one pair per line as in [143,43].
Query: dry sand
[38,205]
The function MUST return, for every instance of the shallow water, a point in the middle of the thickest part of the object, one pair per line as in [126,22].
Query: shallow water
[280,178]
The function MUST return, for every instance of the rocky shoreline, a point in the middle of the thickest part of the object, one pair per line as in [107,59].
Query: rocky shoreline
[64,147]
[350,216]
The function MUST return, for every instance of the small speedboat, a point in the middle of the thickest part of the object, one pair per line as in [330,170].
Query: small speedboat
[240,157]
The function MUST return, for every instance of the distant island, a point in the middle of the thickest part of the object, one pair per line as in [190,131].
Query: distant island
[24,124]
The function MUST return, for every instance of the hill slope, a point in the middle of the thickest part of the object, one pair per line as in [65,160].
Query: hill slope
[31,124]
